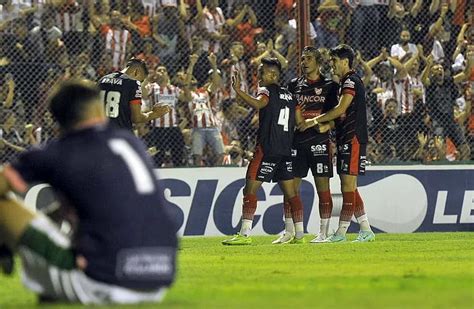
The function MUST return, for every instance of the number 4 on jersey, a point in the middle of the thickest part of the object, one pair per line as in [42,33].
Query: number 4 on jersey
[284,117]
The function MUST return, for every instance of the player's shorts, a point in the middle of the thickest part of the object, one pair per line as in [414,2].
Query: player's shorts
[48,269]
[351,158]
[269,168]
[316,157]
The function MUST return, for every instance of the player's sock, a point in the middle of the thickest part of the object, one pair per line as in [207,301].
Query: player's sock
[364,223]
[297,213]
[289,224]
[246,227]
[324,227]
[299,230]
[348,205]
[325,210]
[343,227]
[248,210]
[360,214]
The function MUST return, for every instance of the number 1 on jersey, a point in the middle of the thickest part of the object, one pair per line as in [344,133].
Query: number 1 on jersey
[284,117]
[141,176]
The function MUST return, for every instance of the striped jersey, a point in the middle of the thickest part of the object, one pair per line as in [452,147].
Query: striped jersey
[67,16]
[201,111]
[116,42]
[166,96]
[212,22]
[403,90]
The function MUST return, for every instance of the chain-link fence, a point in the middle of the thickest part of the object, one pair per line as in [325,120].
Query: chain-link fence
[415,57]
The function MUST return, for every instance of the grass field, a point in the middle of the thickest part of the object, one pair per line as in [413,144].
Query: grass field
[431,270]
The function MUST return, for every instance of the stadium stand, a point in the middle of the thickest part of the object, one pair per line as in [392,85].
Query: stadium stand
[416,57]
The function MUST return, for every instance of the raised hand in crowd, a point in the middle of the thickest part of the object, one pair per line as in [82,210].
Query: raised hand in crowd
[439,142]
[212,60]
[29,136]
[422,139]
[193,58]
[383,56]
[270,46]
[236,80]
[273,52]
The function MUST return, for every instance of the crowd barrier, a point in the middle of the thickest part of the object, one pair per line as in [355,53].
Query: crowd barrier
[398,199]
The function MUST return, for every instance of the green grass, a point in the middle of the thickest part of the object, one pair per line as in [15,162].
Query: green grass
[432,270]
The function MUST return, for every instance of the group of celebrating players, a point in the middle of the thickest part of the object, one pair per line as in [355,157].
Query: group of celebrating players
[124,246]
[294,136]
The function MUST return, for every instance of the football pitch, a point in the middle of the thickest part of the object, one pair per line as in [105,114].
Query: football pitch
[421,270]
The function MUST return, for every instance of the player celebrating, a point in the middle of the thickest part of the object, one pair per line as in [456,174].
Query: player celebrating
[122,96]
[272,159]
[125,245]
[351,133]
[311,148]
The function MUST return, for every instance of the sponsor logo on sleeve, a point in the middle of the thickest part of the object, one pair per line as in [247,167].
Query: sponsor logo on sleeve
[264,91]
[349,84]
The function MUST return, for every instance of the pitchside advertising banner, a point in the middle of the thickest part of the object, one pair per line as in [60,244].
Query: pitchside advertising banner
[401,199]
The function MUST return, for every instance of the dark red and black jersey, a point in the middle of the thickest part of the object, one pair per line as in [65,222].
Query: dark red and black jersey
[353,124]
[315,98]
[118,91]
[276,121]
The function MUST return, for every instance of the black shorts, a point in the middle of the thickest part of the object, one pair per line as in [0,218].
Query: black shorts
[316,157]
[351,158]
[269,168]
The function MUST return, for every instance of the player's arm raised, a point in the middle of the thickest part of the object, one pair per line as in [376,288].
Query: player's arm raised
[259,102]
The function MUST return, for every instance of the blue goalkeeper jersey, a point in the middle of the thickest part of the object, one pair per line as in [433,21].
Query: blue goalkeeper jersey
[105,174]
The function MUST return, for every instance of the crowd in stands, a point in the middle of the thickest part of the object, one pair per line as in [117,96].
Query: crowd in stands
[416,58]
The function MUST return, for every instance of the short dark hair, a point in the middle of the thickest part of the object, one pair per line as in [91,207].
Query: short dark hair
[272,61]
[136,63]
[68,100]
[315,51]
[343,51]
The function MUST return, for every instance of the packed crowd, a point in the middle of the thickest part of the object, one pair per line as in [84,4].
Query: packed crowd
[416,59]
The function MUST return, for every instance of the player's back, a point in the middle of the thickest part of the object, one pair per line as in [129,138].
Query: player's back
[105,174]
[118,92]
[277,121]
[353,124]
